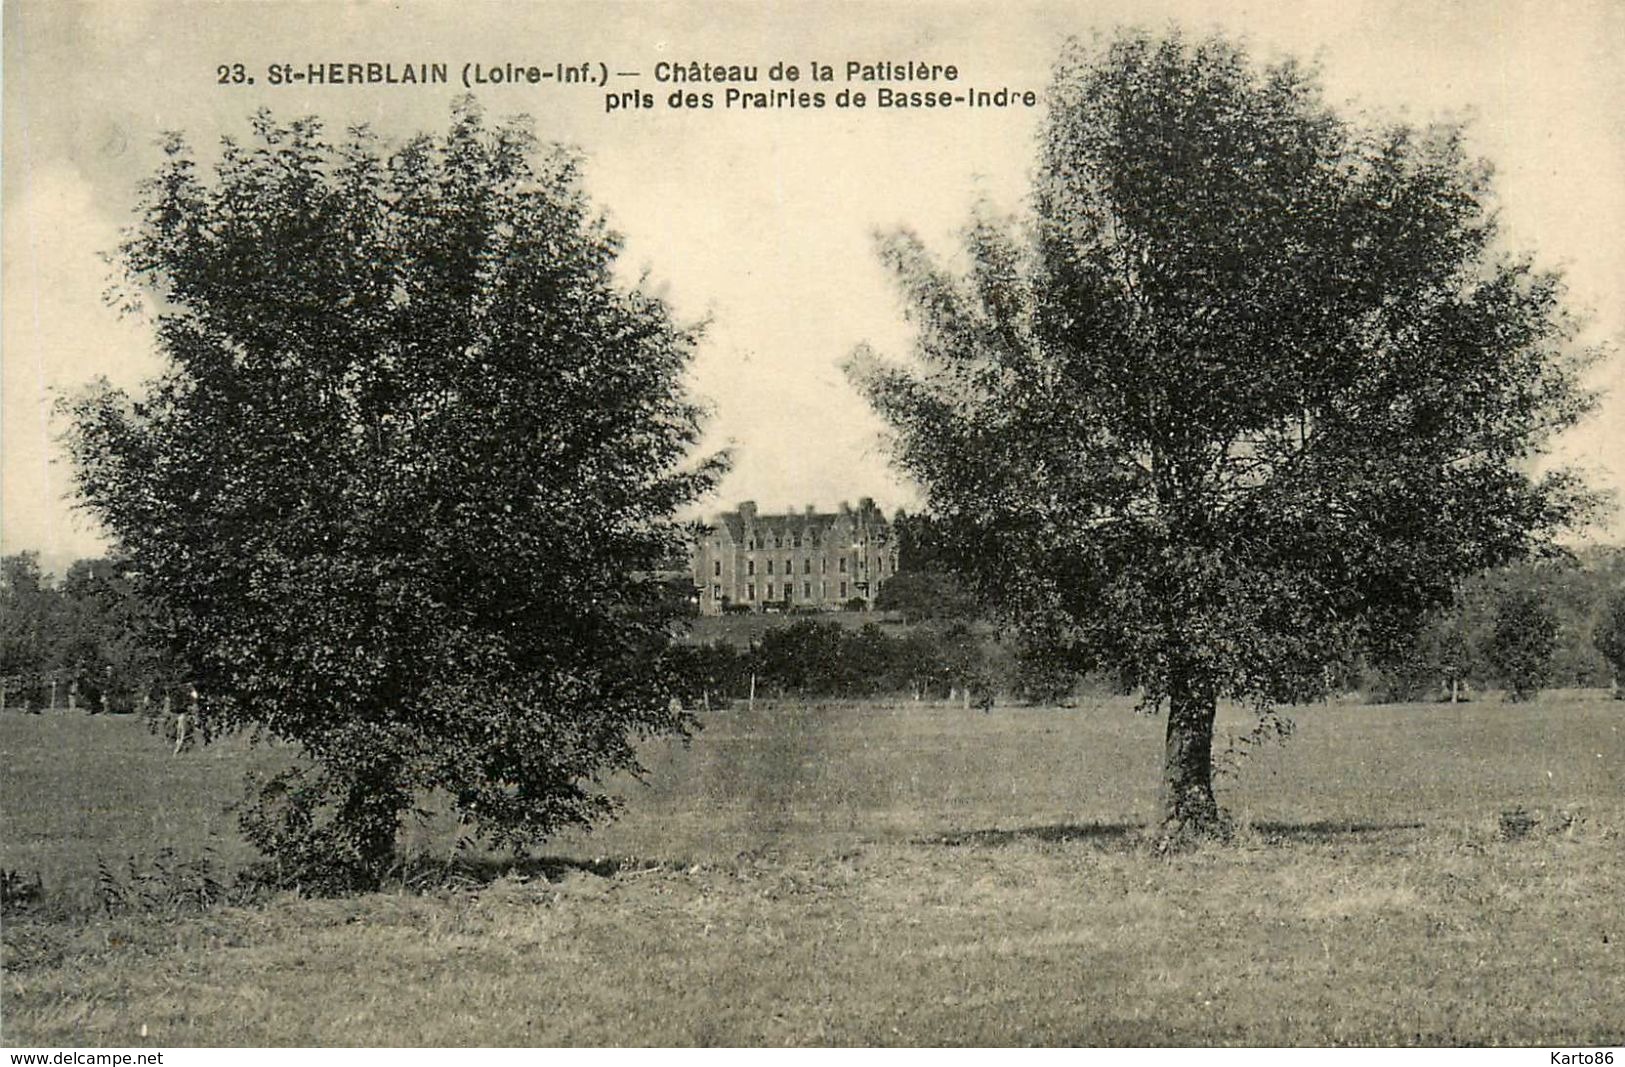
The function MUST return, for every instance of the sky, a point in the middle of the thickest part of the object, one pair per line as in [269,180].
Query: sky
[761,222]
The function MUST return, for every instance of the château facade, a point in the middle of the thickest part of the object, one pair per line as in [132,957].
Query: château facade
[805,560]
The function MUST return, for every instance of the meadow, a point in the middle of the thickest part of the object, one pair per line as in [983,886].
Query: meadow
[877,874]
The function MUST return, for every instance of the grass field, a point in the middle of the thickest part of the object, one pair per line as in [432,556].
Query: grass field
[879,875]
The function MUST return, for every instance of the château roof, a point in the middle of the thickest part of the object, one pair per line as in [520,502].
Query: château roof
[797,523]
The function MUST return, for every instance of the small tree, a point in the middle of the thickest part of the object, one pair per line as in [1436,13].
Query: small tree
[1256,388]
[1521,645]
[707,671]
[805,658]
[106,635]
[965,664]
[399,490]
[1447,648]
[1046,669]
[27,604]
[1610,638]
[1435,663]
[917,665]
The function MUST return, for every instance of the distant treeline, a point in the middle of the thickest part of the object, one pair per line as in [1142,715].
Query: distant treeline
[78,641]
[81,641]
[1521,628]
[936,660]
[1544,624]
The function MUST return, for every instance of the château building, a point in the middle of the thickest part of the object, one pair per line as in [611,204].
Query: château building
[805,560]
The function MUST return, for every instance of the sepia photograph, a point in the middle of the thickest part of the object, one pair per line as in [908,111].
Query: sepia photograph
[812,524]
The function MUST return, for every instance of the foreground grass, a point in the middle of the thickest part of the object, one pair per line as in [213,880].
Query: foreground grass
[922,876]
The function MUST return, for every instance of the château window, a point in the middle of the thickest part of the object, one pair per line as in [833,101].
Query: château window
[750,566]
[716,569]
[770,571]
[806,590]
[770,590]
[806,566]
[843,568]
[843,590]
[750,590]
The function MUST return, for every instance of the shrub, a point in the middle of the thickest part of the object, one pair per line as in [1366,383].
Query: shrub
[19,893]
[170,885]
[308,842]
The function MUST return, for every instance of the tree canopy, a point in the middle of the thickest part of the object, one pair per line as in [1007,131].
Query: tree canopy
[414,455]
[1257,384]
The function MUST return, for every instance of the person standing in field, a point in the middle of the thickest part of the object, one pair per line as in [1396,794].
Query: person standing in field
[184,722]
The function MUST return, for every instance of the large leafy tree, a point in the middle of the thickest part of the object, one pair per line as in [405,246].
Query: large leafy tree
[1257,386]
[415,451]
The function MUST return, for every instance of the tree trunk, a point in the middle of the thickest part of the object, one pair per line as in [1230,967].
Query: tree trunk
[1188,806]
[371,819]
